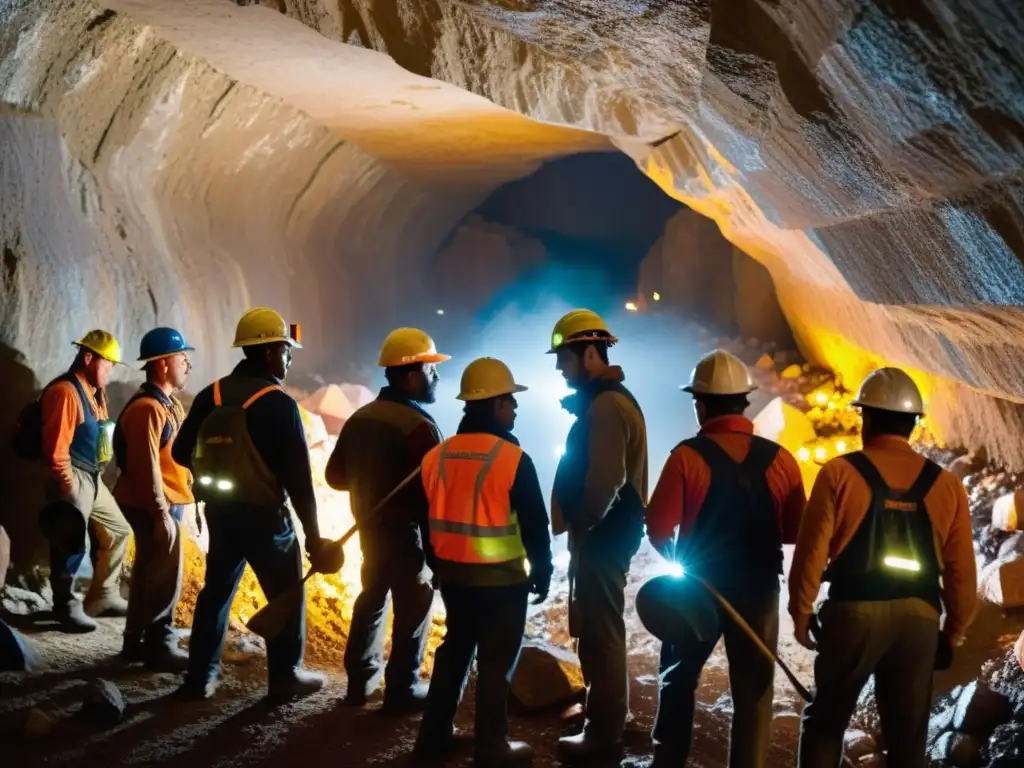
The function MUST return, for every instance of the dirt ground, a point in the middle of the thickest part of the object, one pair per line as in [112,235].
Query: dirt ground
[239,728]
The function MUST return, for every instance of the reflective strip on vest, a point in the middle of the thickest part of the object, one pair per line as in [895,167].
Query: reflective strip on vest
[468,480]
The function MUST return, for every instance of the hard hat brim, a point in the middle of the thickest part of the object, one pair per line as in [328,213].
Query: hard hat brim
[95,351]
[435,357]
[874,407]
[695,391]
[611,341]
[470,397]
[269,340]
[186,348]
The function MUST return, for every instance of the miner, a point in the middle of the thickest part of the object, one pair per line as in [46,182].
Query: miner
[735,499]
[244,442]
[489,547]
[599,495]
[77,445]
[891,533]
[153,491]
[379,446]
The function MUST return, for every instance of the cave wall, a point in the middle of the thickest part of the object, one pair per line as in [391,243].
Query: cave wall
[868,154]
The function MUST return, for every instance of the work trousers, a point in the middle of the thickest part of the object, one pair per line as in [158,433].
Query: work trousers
[265,539]
[488,623]
[155,585]
[101,519]
[751,683]
[393,567]
[602,565]
[896,640]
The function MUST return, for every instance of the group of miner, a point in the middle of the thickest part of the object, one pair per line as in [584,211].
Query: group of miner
[888,529]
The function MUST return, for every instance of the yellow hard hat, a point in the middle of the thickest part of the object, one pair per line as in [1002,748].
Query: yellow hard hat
[405,346]
[102,343]
[890,389]
[720,373]
[262,325]
[487,377]
[580,325]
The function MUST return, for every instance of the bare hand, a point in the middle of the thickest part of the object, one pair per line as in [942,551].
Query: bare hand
[802,631]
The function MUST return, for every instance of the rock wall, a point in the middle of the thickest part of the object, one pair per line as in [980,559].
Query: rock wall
[869,154]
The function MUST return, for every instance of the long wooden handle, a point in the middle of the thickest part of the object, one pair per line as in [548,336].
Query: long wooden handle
[379,506]
[748,630]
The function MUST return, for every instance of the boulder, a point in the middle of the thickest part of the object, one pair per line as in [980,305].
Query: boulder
[1012,548]
[1005,511]
[1002,583]
[857,744]
[331,405]
[980,710]
[1006,746]
[314,427]
[357,394]
[790,428]
[103,702]
[546,676]
[959,749]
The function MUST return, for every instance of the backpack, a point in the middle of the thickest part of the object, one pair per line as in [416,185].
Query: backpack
[226,464]
[27,435]
[121,444]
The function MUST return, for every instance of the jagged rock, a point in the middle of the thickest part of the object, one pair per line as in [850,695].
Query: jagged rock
[959,749]
[331,405]
[1012,548]
[21,602]
[941,719]
[979,710]
[546,676]
[865,714]
[857,744]
[1006,746]
[1005,511]
[103,702]
[1004,675]
[1002,583]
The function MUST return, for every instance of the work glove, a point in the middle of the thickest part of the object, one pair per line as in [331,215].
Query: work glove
[325,556]
[540,585]
[944,654]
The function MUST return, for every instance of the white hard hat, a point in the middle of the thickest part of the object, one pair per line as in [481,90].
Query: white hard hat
[720,373]
[890,389]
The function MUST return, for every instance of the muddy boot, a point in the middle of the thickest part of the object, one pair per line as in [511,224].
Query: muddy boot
[164,659]
[67,608]
[509,753]
[431,748]
[407,701]
[108,606]
[300,683]
[196,690]
[586,748]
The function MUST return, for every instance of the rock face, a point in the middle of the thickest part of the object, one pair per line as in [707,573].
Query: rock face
[197,157]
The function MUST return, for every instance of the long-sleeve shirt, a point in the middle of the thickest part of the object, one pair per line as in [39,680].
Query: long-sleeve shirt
[686,478]
[275,427]
[152,481]
[62,413]
[839,503]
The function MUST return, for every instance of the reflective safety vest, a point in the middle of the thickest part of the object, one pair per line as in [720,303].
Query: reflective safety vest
[468,480]
[892,554]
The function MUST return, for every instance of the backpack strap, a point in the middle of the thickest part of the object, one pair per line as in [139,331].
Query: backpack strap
[868,471]
[761,456]
[217,400]
[929,474]
[261,393]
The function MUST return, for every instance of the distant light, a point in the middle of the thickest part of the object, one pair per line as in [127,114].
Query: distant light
[559,451]
[206,480]
[225,485]
[821,398]
[803,454]
[901,563]
[831,405]
[440,311]
[841,446]
[631,306]
[675,570]
[820,453]
[656,296]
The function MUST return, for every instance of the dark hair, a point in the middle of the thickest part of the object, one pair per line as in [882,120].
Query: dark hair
[579,348]
[881,422]
[396,374]
[723,405]
[79,361]
[480,409]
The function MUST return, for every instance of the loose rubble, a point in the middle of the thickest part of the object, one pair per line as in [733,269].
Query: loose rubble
[103,702]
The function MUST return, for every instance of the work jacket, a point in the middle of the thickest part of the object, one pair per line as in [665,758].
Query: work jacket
[486,516]
[841,501]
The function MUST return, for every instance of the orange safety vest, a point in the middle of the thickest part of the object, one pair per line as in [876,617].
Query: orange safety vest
[468,480]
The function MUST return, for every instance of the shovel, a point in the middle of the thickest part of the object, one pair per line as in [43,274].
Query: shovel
[755,639]
[269,620]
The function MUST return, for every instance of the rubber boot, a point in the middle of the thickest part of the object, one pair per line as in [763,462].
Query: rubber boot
[301,682]
[509,753]
[108,606]
[67,608]
[585,747]
[165,659]
[407,701]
